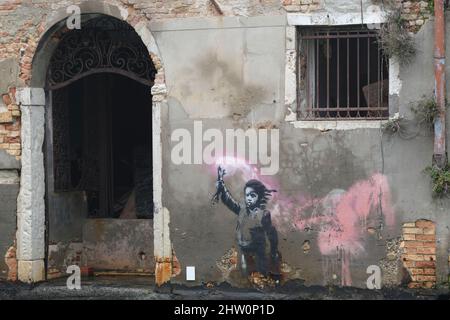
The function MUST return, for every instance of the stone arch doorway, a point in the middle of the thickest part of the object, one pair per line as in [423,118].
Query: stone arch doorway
[35,100]
[98,150]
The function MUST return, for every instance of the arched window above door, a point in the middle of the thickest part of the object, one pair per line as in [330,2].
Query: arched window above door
[102,45]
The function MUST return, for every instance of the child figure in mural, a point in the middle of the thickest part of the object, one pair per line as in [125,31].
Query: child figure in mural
[257,238]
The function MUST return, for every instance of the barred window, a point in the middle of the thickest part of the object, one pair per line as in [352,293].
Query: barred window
[343,74]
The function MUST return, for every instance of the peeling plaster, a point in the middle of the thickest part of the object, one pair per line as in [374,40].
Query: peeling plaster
[147,38]
[163,270]
[162,246]
[228,263]
[62,255]
[11,262]
[9,176]
[395,83]
[123,12]
[291,79]
[343,12]
[176,265]
[390,265]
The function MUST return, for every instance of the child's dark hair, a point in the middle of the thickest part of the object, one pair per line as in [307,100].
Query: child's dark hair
[261,190]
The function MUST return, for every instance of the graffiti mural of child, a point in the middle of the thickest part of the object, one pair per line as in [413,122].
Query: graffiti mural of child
[257,238]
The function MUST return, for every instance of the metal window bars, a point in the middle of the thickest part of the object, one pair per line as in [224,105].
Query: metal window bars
[343,75]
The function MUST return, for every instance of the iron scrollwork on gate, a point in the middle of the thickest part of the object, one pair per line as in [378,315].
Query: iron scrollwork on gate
[101,45]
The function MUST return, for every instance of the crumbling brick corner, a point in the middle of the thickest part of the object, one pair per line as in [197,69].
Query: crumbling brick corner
[167,268]
[303,6]
[163,271]
[11,262]
[419,253]
[10,124]
[415,13]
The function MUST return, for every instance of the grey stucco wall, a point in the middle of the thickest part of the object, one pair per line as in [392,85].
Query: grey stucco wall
[209,68]
[227,74]
[221,67]
[418,81]
[9,189]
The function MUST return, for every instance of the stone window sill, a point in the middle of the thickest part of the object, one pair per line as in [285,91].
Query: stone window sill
[327,125]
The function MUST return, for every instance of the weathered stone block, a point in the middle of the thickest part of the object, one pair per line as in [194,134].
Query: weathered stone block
[30,96]
[30,204]
[31,271]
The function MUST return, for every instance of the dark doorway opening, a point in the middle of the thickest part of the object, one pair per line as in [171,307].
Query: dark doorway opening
[98,149]
[102,143]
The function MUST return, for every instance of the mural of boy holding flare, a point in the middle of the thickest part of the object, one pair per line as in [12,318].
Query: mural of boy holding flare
[257,238]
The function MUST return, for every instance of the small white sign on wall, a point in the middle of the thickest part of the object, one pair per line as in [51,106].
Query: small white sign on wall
[190,273]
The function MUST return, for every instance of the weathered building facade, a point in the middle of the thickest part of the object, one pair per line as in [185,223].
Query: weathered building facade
[96,123]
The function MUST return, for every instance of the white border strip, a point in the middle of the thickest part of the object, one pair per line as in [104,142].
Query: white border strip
[326,125]
[330,19]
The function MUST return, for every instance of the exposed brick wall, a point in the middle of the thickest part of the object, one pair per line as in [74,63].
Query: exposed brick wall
[419,253]
[303,6]
[160,9]
[414,12]
[22,26]
[9,5]
[10,125]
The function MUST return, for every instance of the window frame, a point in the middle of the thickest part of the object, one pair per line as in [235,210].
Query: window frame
[306,106]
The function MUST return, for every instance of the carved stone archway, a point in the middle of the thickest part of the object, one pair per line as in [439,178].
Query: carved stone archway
[32,99]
